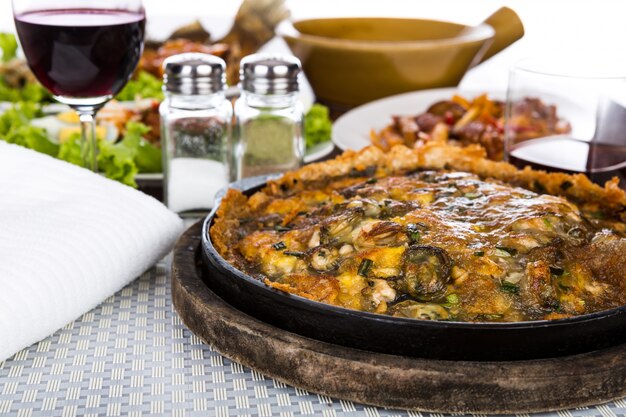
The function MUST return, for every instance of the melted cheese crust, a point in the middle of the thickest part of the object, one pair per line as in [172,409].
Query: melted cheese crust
[427,244]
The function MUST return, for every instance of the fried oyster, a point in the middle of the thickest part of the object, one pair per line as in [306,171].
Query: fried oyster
[437,233]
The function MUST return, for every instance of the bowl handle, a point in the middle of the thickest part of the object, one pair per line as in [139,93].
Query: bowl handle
[508,27]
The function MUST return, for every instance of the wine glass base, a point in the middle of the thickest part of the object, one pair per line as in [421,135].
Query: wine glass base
[86,104]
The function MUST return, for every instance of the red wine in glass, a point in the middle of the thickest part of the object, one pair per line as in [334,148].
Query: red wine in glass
[82,52]
[601,158]
[599,161]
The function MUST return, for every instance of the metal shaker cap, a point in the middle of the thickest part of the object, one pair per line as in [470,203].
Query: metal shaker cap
[270,74]
[194,74]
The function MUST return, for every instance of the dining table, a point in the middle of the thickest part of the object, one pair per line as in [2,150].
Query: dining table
[133,356]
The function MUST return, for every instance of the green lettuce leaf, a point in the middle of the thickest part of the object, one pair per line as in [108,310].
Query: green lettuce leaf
[8,46]
[19,114]
[15,128]
[317,125]
[147,156]
[11,119]
[12,95]
[33,92]
[133,154]
[117,162]
[32,137]
[69,150]
[145,85]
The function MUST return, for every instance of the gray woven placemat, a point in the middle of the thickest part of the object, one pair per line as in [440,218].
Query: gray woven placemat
[132,356]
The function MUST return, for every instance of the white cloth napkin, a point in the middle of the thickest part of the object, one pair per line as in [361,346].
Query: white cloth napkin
[68,240]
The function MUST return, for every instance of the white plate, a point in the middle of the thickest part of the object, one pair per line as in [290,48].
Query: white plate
[318,151]
[352,130]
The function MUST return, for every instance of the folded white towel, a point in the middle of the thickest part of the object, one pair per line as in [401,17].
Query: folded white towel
[68,240]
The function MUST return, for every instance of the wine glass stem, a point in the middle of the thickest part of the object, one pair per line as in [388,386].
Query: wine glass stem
[88,145]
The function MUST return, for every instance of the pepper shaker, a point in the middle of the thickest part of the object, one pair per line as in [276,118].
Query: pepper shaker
[195,129]
[269,116]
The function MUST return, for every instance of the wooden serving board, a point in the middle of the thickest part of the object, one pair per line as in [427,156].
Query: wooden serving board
[387,380]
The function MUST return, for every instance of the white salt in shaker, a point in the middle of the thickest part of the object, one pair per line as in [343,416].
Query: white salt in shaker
[195,131]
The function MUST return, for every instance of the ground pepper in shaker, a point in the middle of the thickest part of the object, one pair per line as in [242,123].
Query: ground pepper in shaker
[269,116]
[195,130]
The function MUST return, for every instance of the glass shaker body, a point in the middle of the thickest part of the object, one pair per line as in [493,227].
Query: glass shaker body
[269,132]
[196,131]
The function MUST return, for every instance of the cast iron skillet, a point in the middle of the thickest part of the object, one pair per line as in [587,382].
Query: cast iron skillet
[403,336]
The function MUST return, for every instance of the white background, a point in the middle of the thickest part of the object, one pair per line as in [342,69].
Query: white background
[553,27]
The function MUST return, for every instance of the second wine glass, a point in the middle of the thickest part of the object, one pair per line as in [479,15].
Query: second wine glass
[568,114]
[82,52]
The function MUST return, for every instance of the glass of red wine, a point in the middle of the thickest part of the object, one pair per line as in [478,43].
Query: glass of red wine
[83,52]
[569,115]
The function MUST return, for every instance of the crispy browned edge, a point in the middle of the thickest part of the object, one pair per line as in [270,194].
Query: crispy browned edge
[609,199]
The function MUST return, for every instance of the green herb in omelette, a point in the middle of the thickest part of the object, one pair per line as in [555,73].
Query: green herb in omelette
[279,245]
[364,267]
[509,287]
[281,228]
[452,299]
[297,254]
[506,251]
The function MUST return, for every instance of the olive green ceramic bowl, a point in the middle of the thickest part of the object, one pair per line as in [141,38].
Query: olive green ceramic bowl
[350,61]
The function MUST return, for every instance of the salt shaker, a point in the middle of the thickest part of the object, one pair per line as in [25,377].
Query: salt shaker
[195,129]
[269,116]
